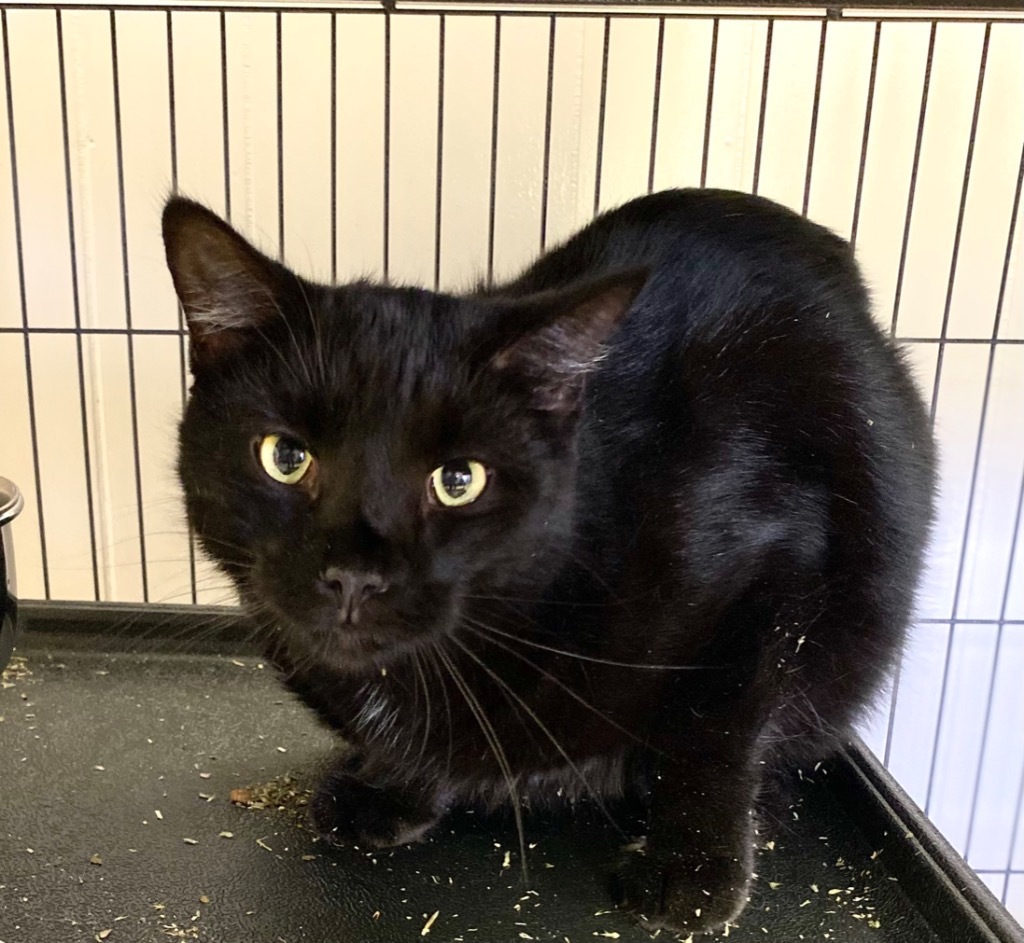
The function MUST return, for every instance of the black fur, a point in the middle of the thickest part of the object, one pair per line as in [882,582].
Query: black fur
[695,559]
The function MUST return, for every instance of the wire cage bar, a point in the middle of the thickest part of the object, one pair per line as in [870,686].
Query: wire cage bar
[435,142]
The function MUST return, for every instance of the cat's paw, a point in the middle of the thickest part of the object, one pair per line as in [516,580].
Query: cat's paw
[346,810]
[683,895]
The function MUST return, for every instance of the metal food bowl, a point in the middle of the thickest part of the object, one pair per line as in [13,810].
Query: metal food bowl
[11,504]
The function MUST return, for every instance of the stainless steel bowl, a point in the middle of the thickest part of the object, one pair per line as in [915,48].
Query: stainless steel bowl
[11,504]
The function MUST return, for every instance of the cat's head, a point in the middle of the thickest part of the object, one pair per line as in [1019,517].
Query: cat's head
[363,460]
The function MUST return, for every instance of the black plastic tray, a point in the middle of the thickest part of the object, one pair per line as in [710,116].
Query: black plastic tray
[97,739]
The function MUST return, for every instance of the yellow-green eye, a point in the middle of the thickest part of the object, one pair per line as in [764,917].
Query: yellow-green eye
[284,459]
[458,483]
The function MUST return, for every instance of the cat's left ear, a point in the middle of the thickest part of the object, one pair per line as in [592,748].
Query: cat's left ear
[227,288]
[554,339]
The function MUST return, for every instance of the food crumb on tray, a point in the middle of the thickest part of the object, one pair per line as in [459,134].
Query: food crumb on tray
[430,922]
[283,794]
[17,670]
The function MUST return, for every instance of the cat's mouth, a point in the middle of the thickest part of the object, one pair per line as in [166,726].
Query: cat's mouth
[376,640]
[358,651]
[354,646]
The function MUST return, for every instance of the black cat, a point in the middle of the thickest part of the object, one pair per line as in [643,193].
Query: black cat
[647,519]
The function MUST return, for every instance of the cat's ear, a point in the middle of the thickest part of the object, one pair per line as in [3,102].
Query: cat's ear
[226,287]
[554,339]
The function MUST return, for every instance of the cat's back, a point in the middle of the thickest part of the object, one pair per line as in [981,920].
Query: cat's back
[738,288]
[752,318]
[706,250]
[750,364]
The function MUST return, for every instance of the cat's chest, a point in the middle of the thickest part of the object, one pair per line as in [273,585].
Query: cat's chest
[375,711]
[477,729]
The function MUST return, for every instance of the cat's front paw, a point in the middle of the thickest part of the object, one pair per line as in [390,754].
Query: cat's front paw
[683,895]
[346,810]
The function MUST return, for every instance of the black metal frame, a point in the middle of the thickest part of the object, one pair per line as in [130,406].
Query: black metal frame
[975,11]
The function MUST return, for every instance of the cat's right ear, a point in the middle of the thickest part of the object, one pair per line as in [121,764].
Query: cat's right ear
[554,338]
[227,288]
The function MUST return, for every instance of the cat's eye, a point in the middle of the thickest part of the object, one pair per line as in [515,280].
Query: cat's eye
[285,459]
[458,483]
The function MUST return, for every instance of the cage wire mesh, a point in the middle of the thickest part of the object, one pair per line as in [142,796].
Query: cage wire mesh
[433,145]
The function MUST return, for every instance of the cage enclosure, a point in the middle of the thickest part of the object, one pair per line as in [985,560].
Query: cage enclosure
[435,143]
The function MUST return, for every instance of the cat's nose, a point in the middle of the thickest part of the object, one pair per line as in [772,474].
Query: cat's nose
[351,588]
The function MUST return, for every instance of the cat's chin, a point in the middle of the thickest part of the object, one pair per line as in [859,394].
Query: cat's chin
[349,650]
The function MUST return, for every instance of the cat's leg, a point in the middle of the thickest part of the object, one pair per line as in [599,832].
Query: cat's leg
[694,874]
[350,807]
